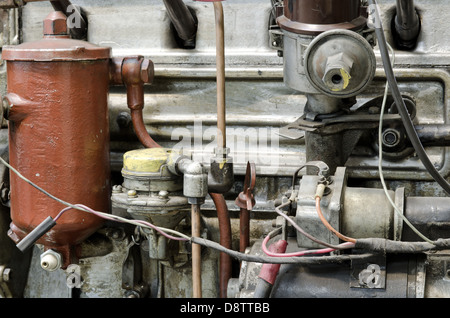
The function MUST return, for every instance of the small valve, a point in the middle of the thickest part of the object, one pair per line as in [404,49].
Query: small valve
[51,260]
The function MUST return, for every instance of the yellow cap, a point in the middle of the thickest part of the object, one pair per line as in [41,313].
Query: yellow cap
[142,161]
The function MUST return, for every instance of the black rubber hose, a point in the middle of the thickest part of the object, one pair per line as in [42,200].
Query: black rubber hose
[401,106]
[406,25]
[383,246]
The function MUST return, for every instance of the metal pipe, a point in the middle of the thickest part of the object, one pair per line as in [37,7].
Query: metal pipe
[225,241]
[196,252]
[244,229]
[220,66]
[407,24]
[134,72]
[182,20]
[140,129]
[430,215]
[434,135]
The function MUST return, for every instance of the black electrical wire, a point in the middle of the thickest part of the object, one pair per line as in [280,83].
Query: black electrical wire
[309,260]
[384,246]
[400,103]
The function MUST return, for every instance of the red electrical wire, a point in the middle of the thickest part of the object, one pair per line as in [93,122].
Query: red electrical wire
[299,253]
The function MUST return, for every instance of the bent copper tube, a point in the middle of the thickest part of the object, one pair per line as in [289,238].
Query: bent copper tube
[134,72]
[225,241]
[141,132]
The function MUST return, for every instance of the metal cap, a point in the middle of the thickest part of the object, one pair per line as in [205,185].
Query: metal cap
[144,161]
[56,45]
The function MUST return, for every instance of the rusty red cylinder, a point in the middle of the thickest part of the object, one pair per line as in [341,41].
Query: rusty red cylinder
[58,135]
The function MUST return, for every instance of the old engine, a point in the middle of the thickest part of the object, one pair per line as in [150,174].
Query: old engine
[225,149]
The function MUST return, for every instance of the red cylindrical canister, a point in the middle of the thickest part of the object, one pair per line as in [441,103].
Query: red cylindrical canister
[58,134]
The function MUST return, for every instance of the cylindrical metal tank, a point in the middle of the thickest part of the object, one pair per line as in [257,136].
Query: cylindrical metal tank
[312,17]
[58,134]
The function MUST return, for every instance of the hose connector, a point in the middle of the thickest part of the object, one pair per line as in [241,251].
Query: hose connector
[195,177]
[51,260]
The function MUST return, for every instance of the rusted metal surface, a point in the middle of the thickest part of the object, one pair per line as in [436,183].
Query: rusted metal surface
[59,136]
[225,240]
[78,29]
[316,16]
[56,45]
[134,72]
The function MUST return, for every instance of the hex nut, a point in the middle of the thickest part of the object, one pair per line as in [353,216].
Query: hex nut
[55,24]
[147,71]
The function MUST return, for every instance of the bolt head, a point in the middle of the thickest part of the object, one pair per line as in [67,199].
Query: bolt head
[132,193]
[56,24]
[147,71]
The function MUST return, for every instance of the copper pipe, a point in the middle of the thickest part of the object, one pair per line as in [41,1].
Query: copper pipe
[244,230]
[134,72]
[196,252]
[220,66]
[140,130]
[225,241]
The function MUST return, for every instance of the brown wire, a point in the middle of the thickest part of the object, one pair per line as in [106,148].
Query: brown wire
[328,226]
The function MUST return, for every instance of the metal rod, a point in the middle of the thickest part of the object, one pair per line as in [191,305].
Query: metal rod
[220,66]
[196,252]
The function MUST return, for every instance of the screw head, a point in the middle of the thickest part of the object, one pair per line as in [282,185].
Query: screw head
[132,193]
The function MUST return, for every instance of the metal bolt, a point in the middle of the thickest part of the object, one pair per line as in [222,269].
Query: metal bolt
[163,194]
[147,71]
[56,24]
[132,193]
[337,72]
[123,119]
[117,189]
